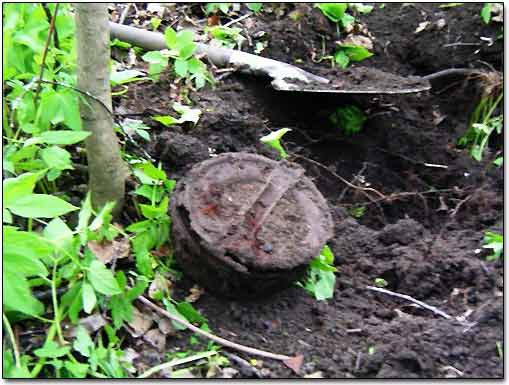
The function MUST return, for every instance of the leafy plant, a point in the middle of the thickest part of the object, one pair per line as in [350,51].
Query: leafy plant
[347,53]
[181,51]
[486,13]
[214,7]
[255,7]
[482,125]
[320,280]
[133,127]
[495,242]
[274,140]
[336,12]
[227,36]
[350,119]
[357,212]
[187,114]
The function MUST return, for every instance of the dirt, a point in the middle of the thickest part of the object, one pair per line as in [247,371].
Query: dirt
[425,244]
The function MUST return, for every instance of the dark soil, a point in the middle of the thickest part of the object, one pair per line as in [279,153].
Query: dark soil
[424,244]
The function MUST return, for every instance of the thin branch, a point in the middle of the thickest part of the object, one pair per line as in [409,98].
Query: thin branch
[411,299]
[173,363]
[213,337]
[45,52]
[237,20]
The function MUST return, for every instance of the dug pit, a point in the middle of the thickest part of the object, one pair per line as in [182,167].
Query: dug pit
[245,225]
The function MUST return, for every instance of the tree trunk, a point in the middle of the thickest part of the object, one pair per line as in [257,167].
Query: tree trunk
[107,171]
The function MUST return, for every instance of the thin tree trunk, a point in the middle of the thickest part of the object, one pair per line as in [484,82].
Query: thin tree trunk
[107,172]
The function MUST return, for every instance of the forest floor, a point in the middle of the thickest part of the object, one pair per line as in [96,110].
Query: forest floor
[425,245]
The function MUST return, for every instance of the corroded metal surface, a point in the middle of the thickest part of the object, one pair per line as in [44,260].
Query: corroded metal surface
[244,225]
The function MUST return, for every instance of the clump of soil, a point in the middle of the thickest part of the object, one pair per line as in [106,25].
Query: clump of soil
[423,235]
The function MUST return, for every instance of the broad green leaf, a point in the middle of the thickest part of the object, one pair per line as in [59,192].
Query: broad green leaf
[273,140]
[104,217]
[361,8]
[190,313]
[347,20]
[89,298]
[121,310]
[184,39]
[57,158]
[64,137]
[170,36]
[498,162]
[15,188]
[28,244]
[16,293]
[83,343]
[342,59]
[41,206]
[355,52]
[138,289]
[181,67]
[148,192]
[76,369]
[350,119]
[102,279]
[6,215]
[52,350]
[166,120]
[334,11]
[59,233]
[123,77]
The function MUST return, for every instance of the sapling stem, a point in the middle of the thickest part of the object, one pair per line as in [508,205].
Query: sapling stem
[10,333]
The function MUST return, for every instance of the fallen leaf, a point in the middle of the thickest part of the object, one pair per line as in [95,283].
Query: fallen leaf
[91,323]
[422,26]
[194,294]
[212,20]
[295,363]
[107,251]
[358,40]
[165,326]
[156,339]
[159,284]
[140,323]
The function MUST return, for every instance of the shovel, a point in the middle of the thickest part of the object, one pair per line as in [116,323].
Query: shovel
[285,77]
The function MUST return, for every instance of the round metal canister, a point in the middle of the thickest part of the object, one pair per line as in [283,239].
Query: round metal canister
[245,226]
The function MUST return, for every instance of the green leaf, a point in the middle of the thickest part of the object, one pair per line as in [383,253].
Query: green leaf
[89,299]
[52,350]
[486,13]
[31,245]
[380,282]
[170,36]
[334,11]
[498,162]
[15,188]
[355,53]
[57,158]
[83,343]
[185,39]
[102,279]
[59,233]
[64,137]
[41,206]
[75,307]
[17,295]
[76,369]
[83,219]
[255,7]
[123,77]
[190,313]
[342,59]
[170,307]
[347,20]
[121,310]
[6,215]
[148,191]
[495,242]
[153,212]
[273,140]
[350,119]
[181,67]
[188,114]
[166,120]
[137,290]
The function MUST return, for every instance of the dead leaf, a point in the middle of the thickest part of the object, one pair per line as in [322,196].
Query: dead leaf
[107,251]
[318,374]
[156,339]
[159,284]
[194,294]
[422,26]
[162,251]
[497,12]
[359,40]
[92,323]
[165,326]
[212,20]
[140,323]
[294,363]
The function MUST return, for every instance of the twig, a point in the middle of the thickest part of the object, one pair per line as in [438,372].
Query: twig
[45,52]
[341,178]
[237,20]
[411,299]
[458,206]
[219,340]
[173,363]
[246,366]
